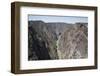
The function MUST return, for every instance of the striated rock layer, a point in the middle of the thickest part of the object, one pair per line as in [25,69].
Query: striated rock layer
[72,43]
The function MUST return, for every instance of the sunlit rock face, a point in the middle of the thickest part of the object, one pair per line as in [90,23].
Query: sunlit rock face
[72,43]
[57,40]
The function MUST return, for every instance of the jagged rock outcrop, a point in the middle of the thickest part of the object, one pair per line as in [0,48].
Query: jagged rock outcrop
[56,40]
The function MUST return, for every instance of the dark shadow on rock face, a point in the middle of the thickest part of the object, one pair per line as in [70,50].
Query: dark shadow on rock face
[38,47]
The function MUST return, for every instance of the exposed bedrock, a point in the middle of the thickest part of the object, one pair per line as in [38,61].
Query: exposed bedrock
[57,40]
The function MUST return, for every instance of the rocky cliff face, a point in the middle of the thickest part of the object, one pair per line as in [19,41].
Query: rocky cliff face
[43,43]
[56,40]
[72,43]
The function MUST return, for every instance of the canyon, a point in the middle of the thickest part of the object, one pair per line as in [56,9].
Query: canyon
[57,40]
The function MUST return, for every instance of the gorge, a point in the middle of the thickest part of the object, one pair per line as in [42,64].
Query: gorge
[57,40]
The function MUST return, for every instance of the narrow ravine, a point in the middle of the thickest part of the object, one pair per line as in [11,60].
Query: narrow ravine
[57,44]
